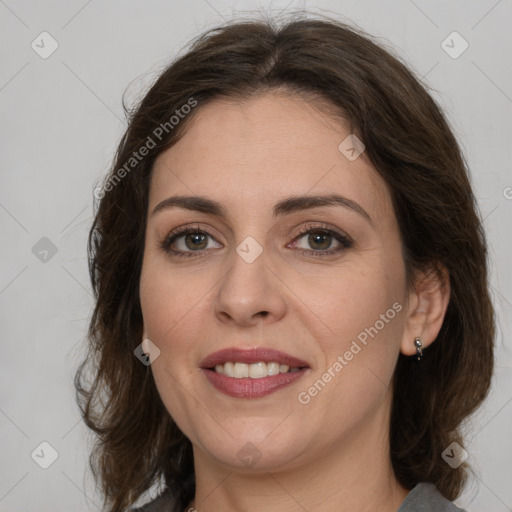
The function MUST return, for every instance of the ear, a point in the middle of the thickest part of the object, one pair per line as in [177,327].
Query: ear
[427,306]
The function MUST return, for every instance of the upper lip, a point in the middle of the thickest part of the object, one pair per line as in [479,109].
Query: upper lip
[248,356]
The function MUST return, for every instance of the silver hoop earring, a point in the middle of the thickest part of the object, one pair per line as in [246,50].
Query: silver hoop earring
[419,352]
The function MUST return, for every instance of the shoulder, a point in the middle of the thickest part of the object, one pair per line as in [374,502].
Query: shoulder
[426,498]
[165,502]
[423,498]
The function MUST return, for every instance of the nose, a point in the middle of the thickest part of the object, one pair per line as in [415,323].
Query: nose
[250,293]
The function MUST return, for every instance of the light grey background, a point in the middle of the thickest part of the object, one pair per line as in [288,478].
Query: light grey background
[61,120]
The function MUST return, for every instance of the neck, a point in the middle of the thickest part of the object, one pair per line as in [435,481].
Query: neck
[354,475]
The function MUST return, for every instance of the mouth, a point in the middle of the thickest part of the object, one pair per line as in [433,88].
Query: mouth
[238,370]
[252,373]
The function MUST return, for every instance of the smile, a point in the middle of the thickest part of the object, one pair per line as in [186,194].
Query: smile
[254,370]
[252,373]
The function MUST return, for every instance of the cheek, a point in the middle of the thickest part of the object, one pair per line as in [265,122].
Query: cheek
[365,319]
[168,304]
[364,312]
[364,302]
[168,300]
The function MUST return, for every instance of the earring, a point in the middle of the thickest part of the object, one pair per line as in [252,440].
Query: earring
[417,343]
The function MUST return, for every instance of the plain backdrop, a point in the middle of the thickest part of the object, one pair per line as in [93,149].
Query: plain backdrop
[61,119]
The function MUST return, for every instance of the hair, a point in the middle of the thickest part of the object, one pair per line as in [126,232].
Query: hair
[410,144]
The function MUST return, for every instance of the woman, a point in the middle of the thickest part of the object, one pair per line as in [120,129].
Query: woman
[291,278]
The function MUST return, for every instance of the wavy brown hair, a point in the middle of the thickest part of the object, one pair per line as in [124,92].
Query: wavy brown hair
[410,144]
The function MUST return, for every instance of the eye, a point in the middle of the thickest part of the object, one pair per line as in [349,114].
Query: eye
[320,239]
[194,241]
[188,242]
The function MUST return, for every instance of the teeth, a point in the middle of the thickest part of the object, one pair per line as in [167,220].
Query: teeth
[241,370]
[254,371]
[273,368]
[229,369]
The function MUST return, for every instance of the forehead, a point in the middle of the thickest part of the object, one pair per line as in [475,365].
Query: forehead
[262,149]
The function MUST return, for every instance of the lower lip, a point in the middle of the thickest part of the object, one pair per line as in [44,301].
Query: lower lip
[251,388]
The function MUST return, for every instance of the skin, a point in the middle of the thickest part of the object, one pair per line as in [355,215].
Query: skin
[331,454]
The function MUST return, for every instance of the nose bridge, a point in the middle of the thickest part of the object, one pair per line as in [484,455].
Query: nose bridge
[249,290]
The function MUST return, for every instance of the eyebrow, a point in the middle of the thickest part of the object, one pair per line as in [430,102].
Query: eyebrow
[286,206]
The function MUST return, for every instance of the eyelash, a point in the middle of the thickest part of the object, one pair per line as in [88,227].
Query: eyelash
[344,240]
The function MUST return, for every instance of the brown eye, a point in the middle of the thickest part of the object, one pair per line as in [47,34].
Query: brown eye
[186,242]
[319,241]
[195,241]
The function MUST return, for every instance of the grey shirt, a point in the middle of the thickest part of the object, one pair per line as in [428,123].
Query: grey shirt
[423,498]
[426,498]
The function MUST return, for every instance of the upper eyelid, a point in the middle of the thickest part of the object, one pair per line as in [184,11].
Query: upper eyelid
[304,230]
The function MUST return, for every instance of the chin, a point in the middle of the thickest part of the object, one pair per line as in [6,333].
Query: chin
[264,446]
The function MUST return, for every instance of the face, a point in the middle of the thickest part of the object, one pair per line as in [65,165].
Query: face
[265,276]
